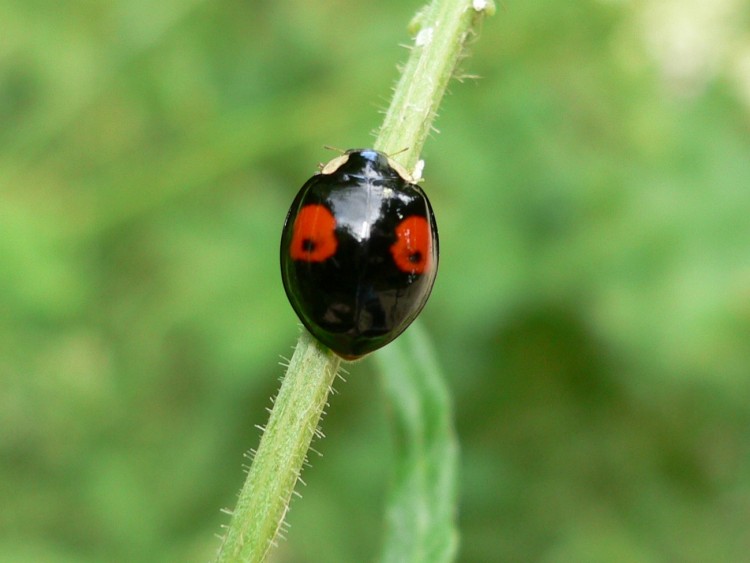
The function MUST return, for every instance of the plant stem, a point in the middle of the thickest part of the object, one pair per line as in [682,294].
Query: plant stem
[441,29]
[297,409]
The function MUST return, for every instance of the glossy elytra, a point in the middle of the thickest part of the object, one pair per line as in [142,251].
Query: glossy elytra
[359,252]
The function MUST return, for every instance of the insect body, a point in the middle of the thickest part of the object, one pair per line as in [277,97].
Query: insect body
[359,252]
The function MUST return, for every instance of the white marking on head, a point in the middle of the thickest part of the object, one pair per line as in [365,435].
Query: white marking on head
[334,164]
[403,172]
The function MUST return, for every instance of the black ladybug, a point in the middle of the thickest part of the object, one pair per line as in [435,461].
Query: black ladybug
[359,252]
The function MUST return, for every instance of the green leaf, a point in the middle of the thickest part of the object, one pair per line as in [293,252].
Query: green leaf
[421,507]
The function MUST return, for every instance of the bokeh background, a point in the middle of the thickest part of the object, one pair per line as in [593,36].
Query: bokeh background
[592,311]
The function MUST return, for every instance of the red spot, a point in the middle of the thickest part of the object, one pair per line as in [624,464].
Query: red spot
[412,250]
[313,239]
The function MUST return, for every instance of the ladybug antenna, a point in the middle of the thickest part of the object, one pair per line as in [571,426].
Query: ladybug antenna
[333,164]
[398,152]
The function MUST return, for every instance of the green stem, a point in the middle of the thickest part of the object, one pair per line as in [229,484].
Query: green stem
[293,423]
[441,30]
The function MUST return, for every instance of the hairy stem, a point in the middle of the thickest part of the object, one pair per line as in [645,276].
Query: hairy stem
[441,30]
[277,465]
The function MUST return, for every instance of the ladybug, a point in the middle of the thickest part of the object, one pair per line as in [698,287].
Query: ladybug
[359,252]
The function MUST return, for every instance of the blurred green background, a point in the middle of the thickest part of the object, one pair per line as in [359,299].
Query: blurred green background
[592,310]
